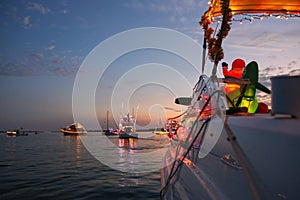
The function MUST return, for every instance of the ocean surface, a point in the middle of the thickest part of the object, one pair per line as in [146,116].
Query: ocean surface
[53,166]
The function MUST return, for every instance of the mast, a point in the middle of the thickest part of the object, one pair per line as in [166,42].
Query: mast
[107,112]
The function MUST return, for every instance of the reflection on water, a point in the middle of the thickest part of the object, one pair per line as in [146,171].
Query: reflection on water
[127,155]
[11,136]
[73,141]
[127,158]
[130,143]
[51,166]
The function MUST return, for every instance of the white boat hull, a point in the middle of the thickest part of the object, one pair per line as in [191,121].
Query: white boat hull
[128,135]
[267,150]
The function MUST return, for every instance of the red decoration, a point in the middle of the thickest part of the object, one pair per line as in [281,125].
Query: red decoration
[262,108]
[236,71]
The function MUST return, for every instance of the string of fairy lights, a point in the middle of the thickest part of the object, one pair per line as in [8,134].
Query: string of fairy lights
[226,17]
[285,15]
[251,17]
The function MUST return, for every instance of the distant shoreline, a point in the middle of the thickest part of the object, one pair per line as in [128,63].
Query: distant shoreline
[55,131]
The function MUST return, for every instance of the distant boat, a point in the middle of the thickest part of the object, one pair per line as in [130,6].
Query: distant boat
[109,131]
[74,129]
[170,128]
[127,127]
[11,133]
[160,131]
[16,133]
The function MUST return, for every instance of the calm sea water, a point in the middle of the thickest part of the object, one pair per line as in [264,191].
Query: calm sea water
[53,166]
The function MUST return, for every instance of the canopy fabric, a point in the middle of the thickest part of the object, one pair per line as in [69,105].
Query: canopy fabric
[78,125]
[257,6]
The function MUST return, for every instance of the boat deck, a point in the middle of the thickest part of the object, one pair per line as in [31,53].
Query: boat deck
[265,147]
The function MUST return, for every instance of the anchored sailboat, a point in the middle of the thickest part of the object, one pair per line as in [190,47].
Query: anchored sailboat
[109,131]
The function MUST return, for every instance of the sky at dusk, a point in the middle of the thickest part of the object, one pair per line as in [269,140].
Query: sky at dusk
[44,43]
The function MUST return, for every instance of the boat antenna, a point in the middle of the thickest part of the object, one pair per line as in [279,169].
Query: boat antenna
[107,112]
[122,107]
[203,54]
[137,109]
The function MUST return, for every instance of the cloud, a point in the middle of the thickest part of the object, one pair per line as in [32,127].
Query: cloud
[292,63]
[60,60]
[64,11]
[256,47]
[59,71]
[179,10]
[259,42]
[37,68]
[64,71]
[54,55]
[68,51]
[38,7]
[177,6]
[26,20]
[265,39]
[294,72]
[37,55]
[15,69]
[50,48]
[57,61]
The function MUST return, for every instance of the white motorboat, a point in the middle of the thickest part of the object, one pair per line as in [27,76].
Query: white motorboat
[127,127]
[75,128]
